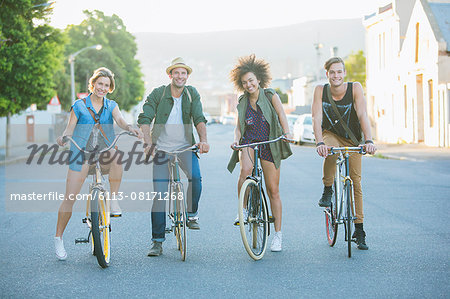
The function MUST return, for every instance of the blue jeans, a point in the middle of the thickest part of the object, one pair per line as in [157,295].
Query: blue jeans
[188,162]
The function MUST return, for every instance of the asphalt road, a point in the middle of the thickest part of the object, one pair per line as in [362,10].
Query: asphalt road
[406,211]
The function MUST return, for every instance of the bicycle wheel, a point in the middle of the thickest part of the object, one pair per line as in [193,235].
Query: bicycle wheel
[330,218]
[254,228]
[100,228]
[180,220]
[92,243]
[348,220]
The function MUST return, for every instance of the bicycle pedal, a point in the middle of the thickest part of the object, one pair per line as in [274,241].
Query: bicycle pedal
[81,240]
[271,219]
[84,220]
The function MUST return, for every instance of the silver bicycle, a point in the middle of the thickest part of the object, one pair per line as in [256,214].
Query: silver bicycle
[341,209]
[178,214]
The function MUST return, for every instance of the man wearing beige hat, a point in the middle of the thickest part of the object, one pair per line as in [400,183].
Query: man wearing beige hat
[174,108]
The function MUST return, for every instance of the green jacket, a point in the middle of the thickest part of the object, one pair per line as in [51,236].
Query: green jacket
[159,104]
[280,150]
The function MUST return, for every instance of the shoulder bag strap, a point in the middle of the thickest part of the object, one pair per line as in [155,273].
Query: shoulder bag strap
[343,123]
[189,95]
[97,121]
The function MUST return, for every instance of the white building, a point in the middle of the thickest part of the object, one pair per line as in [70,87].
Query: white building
[408,71]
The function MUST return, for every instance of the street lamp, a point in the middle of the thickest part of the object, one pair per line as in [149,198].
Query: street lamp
[72,71]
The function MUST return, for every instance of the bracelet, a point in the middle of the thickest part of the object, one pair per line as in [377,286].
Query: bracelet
[320,143]
[368,141]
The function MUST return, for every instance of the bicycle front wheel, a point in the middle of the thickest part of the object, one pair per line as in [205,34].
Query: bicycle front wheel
[100,228]
[254,226]
[330,219]
[180,220]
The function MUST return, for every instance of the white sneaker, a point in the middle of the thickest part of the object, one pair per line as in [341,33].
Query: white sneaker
[236,221]
[276,242]
[61,253]
[116,211]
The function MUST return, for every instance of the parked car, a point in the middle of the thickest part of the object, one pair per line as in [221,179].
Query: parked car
[303,130]
[291,118]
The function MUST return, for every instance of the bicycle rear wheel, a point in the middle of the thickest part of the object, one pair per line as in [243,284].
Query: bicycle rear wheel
[100,228]
[330,218]
[348,220]
[180,220]
[254,228]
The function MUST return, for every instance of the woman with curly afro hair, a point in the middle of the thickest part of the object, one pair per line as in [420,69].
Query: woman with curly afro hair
[260,118]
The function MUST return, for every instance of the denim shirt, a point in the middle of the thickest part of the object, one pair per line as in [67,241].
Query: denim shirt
[84,126]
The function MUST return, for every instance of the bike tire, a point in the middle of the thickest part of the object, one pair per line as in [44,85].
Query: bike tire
[92,243]
[254,229]
[330,219]
[349,219]
[181,221]
[101,236]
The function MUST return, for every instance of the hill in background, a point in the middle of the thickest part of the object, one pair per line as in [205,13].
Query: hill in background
[289,49]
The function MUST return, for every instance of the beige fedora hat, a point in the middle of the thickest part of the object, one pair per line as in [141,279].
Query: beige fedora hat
[178,62]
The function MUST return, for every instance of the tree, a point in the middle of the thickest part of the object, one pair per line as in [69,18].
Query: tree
[283,96]
[118,54]
[355,66]
[31,52]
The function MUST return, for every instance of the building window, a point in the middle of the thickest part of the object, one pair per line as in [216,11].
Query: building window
[430,99]
[406,105]
[417,43]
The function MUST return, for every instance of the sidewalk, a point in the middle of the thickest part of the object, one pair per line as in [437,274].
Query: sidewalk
[412,152]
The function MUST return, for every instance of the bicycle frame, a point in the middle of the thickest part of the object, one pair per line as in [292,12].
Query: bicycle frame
[97,215]
[342,178]
[343,195]
[257,171]
[174,181]
[178,216]
[257,177]
[174,177]
[255,223]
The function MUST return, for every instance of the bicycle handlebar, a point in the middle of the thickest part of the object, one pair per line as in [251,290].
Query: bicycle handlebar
[193,148]
[282,137]
[349,149]
[69,138]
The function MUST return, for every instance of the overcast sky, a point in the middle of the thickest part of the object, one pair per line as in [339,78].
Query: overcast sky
[183,16]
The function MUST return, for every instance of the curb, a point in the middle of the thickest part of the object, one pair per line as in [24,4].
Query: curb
[394,157]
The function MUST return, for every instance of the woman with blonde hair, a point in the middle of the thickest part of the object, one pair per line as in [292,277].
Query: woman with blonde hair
[260,118]
[82,119]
